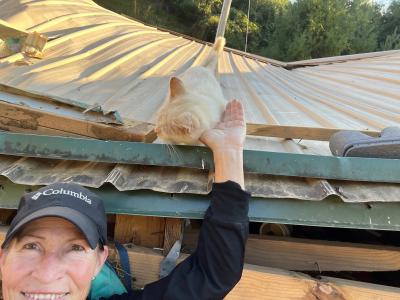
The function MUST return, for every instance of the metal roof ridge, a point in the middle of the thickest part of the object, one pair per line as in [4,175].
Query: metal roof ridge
[287,65]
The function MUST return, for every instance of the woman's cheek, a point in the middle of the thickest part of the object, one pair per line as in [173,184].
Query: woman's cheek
[81,272]
[18,270]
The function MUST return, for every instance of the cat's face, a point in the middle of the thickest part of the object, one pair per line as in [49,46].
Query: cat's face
[181,120]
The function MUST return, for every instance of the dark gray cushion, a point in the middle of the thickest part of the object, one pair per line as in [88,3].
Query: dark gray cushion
[357,144]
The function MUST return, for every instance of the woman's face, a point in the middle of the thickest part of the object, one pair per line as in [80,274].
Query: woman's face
[50,259]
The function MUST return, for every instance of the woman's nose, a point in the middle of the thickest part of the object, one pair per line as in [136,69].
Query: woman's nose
[50,268]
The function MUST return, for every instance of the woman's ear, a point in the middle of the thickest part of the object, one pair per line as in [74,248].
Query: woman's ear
[102,256]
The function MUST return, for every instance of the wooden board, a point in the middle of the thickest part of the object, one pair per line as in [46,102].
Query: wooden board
[9,31]
[303,254]
[297,132]
[12,125]
[42,122]
[263,283]
[143,231]
[314,255]
[268,283]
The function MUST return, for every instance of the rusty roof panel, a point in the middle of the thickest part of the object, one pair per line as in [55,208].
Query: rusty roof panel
[34,171]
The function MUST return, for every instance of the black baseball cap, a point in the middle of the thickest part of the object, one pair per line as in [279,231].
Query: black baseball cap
[65,200]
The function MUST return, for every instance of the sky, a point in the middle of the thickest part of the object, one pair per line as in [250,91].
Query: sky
[384,2]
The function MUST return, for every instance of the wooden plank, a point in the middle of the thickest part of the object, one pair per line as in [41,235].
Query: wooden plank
[17,126]
[313,255]
[173,233]
[263,283]
[56,104]
[297,132]
[9,31]
[37,99]
[139,230]
[42,122]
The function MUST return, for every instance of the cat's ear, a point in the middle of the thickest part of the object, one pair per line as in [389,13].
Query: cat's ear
[176,87]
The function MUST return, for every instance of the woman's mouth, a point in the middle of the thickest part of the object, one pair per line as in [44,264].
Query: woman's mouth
[44,296]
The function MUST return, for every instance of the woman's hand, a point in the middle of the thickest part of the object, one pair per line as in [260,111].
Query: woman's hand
[226,141]
[230,133]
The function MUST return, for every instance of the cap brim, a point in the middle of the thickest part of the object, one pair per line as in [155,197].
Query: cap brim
[86,226]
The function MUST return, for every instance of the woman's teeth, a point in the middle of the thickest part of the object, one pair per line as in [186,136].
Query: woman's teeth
[44,296]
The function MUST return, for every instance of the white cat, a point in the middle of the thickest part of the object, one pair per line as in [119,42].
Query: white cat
[195,103]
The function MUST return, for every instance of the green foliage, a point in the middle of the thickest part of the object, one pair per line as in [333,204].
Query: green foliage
[236,30]
[390,22]
[281,29]
[392,41]
[320,28]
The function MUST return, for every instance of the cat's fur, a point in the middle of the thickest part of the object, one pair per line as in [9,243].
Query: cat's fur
[195,103]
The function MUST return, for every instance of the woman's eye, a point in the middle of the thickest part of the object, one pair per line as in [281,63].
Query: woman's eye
[77,248]
[31,246]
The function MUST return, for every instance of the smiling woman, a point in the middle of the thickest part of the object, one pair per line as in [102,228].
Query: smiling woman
[56,244]
[50,259]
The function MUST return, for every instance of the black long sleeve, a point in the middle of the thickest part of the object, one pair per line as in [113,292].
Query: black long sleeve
[216,265]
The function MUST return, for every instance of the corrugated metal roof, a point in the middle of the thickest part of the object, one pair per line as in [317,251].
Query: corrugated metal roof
[97,57]
[103,58]
[34,171]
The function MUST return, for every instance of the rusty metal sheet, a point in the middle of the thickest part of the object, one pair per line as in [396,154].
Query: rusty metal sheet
[34,171]
[160,179]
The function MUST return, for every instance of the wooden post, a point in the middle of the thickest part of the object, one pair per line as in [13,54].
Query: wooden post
[223,18]
[173,233]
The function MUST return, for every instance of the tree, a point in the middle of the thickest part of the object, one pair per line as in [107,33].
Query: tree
[392,41]
[320,28]
[287,30]
[389,36]
[365,18]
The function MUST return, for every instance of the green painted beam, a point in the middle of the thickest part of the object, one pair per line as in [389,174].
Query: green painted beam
[262,162]
[330,212]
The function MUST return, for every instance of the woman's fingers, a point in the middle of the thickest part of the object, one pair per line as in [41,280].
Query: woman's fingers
[233,111]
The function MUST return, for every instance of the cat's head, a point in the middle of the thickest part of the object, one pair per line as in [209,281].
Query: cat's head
[181,120]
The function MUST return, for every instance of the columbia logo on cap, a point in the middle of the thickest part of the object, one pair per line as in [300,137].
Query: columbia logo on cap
[61,191]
